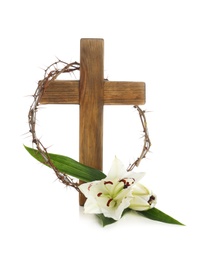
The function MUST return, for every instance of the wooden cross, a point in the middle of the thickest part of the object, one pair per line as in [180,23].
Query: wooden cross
[91,92]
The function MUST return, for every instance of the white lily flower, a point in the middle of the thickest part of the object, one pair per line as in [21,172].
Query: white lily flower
[113,194]
[142,198]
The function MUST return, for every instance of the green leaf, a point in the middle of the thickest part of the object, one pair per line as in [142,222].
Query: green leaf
[82,172]
[69,166]
[153,214]
[107,221]
[158,215]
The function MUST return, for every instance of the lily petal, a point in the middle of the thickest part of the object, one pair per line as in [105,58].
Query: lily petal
[139,203]
[91,206]
[116,212]
[137,176]
[117,170]
[85,188]
[140,190]
[118,191]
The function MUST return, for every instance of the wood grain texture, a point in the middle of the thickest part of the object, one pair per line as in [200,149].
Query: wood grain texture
[91,104]
[61,92]
[91,92]
[124,93]
[115,93]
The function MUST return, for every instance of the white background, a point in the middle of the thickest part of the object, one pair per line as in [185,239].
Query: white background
[159,42]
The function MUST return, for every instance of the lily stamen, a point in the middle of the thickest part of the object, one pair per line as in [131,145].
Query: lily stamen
[108,203]
[108,182]
[151,199]
[118,191]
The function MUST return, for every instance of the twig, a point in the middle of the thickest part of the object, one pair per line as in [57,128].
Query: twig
[51,73]
[147,142]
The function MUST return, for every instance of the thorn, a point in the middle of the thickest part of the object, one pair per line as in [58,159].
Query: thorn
[26,133]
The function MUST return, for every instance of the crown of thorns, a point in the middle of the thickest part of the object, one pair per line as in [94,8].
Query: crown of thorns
[51,73]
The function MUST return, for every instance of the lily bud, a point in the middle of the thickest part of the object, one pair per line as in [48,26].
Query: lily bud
[118,191]
[142,198]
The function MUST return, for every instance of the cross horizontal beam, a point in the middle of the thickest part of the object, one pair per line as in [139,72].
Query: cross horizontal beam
[91,92]
[115,93]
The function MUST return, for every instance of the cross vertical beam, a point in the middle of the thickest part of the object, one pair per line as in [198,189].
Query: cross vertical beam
[91,92]
[91,104]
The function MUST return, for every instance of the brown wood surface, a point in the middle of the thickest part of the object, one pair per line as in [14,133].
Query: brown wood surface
[61,92]
[124,93]
[91,92]
[91,104]
[115,93]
